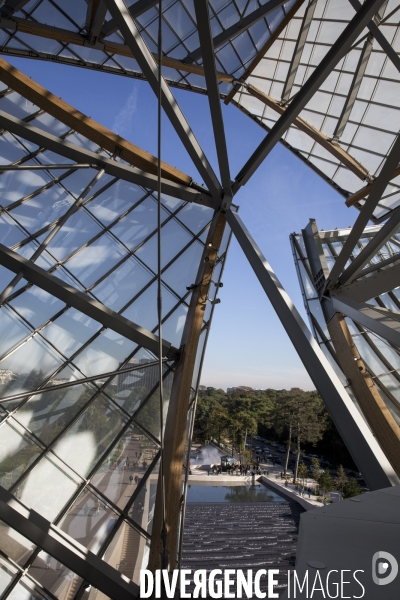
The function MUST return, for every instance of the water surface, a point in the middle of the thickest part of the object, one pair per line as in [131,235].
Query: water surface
[232,493]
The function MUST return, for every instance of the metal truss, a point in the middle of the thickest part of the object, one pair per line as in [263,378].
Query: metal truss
[341,291]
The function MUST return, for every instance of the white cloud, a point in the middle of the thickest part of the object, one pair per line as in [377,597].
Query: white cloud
[124,119]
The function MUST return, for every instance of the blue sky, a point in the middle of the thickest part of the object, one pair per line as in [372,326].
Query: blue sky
[247,344]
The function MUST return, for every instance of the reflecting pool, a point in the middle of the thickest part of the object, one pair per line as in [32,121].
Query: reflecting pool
[232,493]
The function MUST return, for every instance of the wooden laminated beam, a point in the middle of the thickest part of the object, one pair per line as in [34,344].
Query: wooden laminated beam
[322,139]
[94,131]
[71,37]
[175,427]
[365,191]
[260,55]
[377,414]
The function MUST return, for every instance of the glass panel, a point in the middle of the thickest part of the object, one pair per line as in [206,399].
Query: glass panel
[70,331]
[48,414]
[48,487]
[149,415]
[106,353]
[173,239]
[79,229]
[7,573]
[128,552]
[95,260]
[26,591]
[44,208]
[12,331]
[17,452]
[36,306]
[122,285]
[144,310]
[115,200]
[130,389]
[28,366]
[14,545]
[138,224]
[183,271]
[172,328]
[122,470]
[87,440]
[89,521]
[142,511]
[55,576]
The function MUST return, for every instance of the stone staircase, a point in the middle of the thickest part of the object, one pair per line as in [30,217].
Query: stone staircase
[242,536]
[129,552]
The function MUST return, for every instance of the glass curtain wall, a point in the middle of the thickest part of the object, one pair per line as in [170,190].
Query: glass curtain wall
[85,455]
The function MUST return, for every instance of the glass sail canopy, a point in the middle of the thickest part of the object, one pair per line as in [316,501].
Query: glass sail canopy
[80,430]
[380,356]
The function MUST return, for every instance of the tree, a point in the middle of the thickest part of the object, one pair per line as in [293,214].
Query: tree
[341,479]
[303,472]
[351,488]
[326,482]
[315,469]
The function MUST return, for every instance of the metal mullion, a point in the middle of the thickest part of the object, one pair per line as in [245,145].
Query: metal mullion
[69,384]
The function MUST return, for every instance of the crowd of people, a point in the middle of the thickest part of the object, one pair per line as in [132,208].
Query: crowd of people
[238,469]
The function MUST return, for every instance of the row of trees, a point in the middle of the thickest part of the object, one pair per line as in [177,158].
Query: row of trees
[293,417]
[347,486]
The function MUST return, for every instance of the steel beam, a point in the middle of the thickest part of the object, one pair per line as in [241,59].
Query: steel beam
[83,302]
[65,549]
[112,167]
[366,213]
[381,321]
[243,24]
[365,191]
[81,123]
[333,148]
[328,63]
[97,23]
[360,441]
[12,6]
[380,38]
[354,87]
[382,236]
[207,49]
[379,282]
[136,9]
[149,67]
[298,50]
[45,167]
